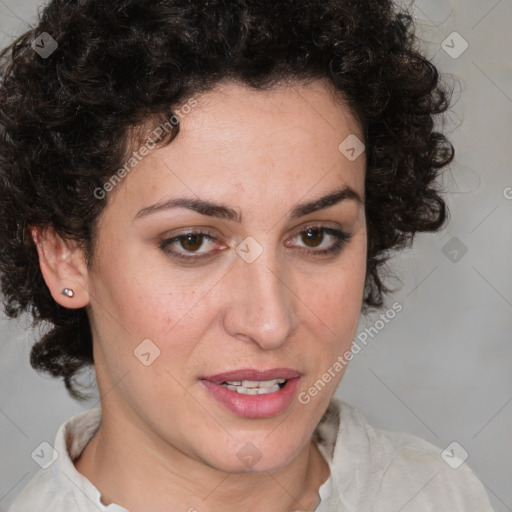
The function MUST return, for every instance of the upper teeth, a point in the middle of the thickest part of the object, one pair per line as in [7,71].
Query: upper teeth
[255,383]
[254,387]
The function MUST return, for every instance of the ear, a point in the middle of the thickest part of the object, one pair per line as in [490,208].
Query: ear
[63,266]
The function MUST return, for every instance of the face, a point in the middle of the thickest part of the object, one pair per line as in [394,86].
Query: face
[266,285]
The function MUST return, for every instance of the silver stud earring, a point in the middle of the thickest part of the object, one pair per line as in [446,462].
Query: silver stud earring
[68,292]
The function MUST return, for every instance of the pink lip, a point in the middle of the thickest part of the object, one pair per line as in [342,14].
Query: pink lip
[254,374]
[254,406]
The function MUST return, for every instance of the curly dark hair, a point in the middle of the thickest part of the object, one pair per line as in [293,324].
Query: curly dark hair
[67,121]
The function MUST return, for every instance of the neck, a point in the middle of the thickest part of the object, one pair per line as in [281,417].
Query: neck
[140,473]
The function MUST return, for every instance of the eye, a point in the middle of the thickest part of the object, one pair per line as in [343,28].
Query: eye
[191,243]
[317,240]
[329,240]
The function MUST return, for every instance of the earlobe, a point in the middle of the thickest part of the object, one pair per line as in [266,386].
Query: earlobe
[63,266]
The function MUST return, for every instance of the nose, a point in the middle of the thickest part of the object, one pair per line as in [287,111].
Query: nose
[262,305]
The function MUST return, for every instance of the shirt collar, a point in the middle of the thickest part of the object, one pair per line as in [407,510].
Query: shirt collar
[72,437]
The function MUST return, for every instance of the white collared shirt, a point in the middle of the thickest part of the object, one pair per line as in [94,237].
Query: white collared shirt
[372,470]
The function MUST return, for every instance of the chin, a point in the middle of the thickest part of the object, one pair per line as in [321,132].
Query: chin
[251,457]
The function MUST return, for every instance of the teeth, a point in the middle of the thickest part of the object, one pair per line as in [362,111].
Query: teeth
[256,391]
[255,383]
[261,384]
[254,387]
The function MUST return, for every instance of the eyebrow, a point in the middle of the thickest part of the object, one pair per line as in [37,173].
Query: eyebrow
[222,211]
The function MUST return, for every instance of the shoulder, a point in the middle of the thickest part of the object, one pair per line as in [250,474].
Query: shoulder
[58,485]
[427,480]
[384,470]
[44,492]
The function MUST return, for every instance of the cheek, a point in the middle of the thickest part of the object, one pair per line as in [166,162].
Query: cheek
[157,306]
[333,325]
[335,310]
[141,294]
[336,296]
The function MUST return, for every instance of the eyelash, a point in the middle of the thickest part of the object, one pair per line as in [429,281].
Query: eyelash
[341,238]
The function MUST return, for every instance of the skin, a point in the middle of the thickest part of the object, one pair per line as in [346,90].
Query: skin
[164,440]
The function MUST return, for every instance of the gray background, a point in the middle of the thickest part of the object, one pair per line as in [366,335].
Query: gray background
[441,368]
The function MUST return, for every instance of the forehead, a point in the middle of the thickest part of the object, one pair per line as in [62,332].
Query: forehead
[241,143]
[238,113]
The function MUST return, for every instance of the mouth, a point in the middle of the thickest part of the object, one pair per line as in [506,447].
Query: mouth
[254,387]
[254,393]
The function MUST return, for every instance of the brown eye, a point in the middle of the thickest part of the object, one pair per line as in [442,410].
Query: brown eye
[196,245]
[192,242]
[191,246]
[313,237]
[321,240]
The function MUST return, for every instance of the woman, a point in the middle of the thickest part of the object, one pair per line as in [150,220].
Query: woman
[199,197]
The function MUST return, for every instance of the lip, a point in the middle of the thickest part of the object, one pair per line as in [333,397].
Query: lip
[254,406]
[254,374]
